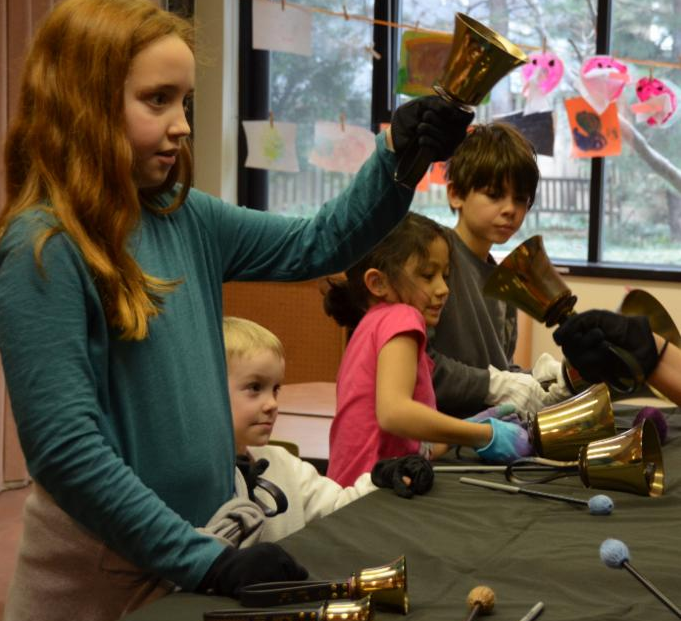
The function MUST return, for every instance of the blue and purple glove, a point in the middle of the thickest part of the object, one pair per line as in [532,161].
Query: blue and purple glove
[509,442]
[503,411]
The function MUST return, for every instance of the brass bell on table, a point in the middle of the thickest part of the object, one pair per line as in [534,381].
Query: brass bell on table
[342,610]
[628,462]
[559,431]
[386,584]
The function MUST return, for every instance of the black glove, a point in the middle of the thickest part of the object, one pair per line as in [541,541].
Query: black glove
[389,473]
[236,568]
[425,130]
[586,339]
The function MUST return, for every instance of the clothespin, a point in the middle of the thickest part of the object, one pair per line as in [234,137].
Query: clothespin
[342,121]
[283,5]
[271,119]
[416,26]
[650,73]
[371,50]
[543,45]
[345,12]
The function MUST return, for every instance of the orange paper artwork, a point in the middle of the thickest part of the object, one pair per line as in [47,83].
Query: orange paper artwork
[593,135]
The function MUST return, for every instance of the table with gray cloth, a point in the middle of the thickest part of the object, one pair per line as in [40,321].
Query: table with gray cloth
[526,549]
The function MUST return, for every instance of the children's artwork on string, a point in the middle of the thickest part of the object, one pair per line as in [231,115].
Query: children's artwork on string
[541,75]
[438,173]
[287,30]
[423,57]
[537,128]
[341,148]
[271,146]
[593,135]
[657,102]
[602,80]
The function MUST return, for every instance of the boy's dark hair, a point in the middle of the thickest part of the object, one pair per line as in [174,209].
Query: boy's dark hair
[347,299]
[495,157]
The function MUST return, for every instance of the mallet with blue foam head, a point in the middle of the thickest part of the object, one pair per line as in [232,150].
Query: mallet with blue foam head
[615,554]
[598,505]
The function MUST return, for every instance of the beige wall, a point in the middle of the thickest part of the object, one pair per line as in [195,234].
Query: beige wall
[607,294]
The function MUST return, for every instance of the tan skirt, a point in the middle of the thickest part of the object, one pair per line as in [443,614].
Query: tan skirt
[64,573]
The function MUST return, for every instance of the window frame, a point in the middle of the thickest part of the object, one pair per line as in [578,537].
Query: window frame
[254,102]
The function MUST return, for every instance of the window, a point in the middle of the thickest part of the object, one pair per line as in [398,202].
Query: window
[617,216]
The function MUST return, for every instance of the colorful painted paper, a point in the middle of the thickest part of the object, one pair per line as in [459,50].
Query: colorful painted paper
[341,148]
[603,79]
[537,128]
[423,57]
[593,135]
[271,146]
[657,101]
[438,173]
[287,30]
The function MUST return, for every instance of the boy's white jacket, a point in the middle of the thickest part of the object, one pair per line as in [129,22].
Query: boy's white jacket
[241,522]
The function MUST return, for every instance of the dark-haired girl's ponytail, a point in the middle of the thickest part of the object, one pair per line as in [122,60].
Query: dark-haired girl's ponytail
[342,303]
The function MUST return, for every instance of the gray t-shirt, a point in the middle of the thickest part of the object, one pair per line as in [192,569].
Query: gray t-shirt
[474,331]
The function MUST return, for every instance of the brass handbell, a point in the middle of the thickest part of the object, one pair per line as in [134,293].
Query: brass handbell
[628,462]
[344,610]
[386,584]
[640,302]
[527,279]
[559,431]
[478,59]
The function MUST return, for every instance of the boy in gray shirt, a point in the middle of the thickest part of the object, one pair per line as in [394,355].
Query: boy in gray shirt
[491,183]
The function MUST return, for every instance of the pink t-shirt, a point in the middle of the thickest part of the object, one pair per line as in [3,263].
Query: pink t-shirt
[356,440]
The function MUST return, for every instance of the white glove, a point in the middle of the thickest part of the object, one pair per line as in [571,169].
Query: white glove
[520,389]
[548,369]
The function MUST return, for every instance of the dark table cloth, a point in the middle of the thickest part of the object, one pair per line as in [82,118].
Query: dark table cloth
[526,549]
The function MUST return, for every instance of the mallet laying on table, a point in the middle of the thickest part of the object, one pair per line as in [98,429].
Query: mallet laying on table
[615,554]
[598,505]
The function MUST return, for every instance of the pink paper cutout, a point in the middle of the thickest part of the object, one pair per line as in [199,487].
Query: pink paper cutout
[544,69]
[603,80]
[658,101]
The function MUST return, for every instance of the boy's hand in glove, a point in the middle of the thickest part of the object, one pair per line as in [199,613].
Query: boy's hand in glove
[520,389]
[586,339]
[392,473]
[236,568]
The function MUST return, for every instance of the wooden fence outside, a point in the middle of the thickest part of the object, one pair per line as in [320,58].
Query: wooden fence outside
[293,193]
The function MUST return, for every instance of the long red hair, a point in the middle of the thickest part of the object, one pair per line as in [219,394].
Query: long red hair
[68,152]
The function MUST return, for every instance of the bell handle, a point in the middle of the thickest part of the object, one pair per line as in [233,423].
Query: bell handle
[415,159]
[559,469]
[413,164]
[633,377]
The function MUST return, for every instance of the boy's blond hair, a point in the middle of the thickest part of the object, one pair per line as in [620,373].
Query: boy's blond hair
[244,337]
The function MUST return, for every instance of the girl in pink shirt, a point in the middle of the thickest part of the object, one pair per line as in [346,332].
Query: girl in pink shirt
[385,398]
